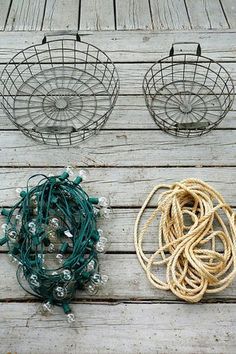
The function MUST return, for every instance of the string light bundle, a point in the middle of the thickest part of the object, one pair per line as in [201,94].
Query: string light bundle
[52,234]
[196,240]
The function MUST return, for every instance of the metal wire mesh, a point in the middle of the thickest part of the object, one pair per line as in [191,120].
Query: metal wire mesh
[188,94]
[60,92]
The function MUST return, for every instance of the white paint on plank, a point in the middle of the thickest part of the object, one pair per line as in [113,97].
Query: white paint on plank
[206,14]
[25,15]
[133,15]
[97,15]
[169,15]
[61,15]
[121,328]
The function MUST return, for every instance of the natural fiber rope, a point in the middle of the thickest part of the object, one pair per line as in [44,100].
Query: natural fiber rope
[189,252]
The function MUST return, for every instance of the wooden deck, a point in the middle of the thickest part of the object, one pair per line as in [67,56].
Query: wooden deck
[127,158]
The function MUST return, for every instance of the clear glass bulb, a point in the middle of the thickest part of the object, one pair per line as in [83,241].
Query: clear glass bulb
[67,274]
[70,170]
[104,279]
[103,202]
[96,211]
[91,265]
[91,289]
[51,248]
[68,233]
[34,280]
[4,227]
[32,227]
[60,292]
[54,223]
[46,308]
[70,318]
[106,213]
[19,190]
[84,174]
[12,235]
[60,257]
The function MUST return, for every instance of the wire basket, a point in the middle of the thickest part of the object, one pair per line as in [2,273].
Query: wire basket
[188,94]
[60,92]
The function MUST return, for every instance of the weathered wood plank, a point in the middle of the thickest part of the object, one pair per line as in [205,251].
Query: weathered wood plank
[97,15]
[133,15]
[4,5]
[206,14]
[130,112]
[127,281]
[169,15]
[138,46]
[229,7]
[126,328]
[25,15]
[61,15]
[124,148]
[127,187]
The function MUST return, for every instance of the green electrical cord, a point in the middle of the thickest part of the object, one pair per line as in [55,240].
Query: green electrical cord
[52,233]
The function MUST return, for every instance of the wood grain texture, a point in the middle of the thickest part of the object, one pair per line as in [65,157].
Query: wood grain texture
[229,7]
[124,148]
[130,112]
[169,15]
[4,6]
[127,282]
[25,15]
[206,14]
[133,47]
[133,14]
[123,328]
[61,15]
[97,15]
[127,187]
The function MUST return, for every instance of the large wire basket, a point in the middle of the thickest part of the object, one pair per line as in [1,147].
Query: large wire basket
[60,92]
[188,94]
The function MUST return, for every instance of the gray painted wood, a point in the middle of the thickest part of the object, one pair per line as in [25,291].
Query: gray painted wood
[4,6]
[133,15]
[206,14]
[25,15]
[127,282]
[127,187]
[97,15]
[61,15]
[169,15]
[122,328]
[139,46]
[229,7]
[124,148]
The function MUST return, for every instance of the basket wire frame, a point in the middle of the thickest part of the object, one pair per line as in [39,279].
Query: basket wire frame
[60,92]
[188,94]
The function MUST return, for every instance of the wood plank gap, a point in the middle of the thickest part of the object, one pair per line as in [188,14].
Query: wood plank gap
[223,10]
[79,15]
[115,18]
[186,7]
[44,11]
[151,14]
[8,12]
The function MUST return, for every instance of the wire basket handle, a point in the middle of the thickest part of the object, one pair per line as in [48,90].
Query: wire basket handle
[62,33]
[198,51]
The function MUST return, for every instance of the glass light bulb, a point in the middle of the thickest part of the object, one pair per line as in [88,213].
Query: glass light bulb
[96,211]
[84,174]
[34,280]
[67,274]
[91,289]
[33,201]
[51,235]
[60,257]
[19,190]
[32,227]
[54,273]
[50,175]
[68,233]
[91,265]
[70,318]
[104,279]
[54,223]
[60,292]
[35,211]
[70,170]
[103,202]
[106,213]
[51,248]
[12,235]
[96,278]
[100,232]
[46,308]
[4,227]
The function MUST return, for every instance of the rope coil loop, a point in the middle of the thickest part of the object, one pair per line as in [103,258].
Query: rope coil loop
[196,240]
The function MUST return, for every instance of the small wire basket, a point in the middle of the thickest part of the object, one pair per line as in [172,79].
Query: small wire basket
[60,92]
[188,94]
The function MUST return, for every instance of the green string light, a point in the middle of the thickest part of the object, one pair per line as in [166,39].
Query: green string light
[51,232]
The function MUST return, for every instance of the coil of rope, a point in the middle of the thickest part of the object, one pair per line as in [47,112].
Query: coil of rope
[196,240]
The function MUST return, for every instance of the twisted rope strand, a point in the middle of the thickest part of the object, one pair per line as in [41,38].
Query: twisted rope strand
[188,251]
